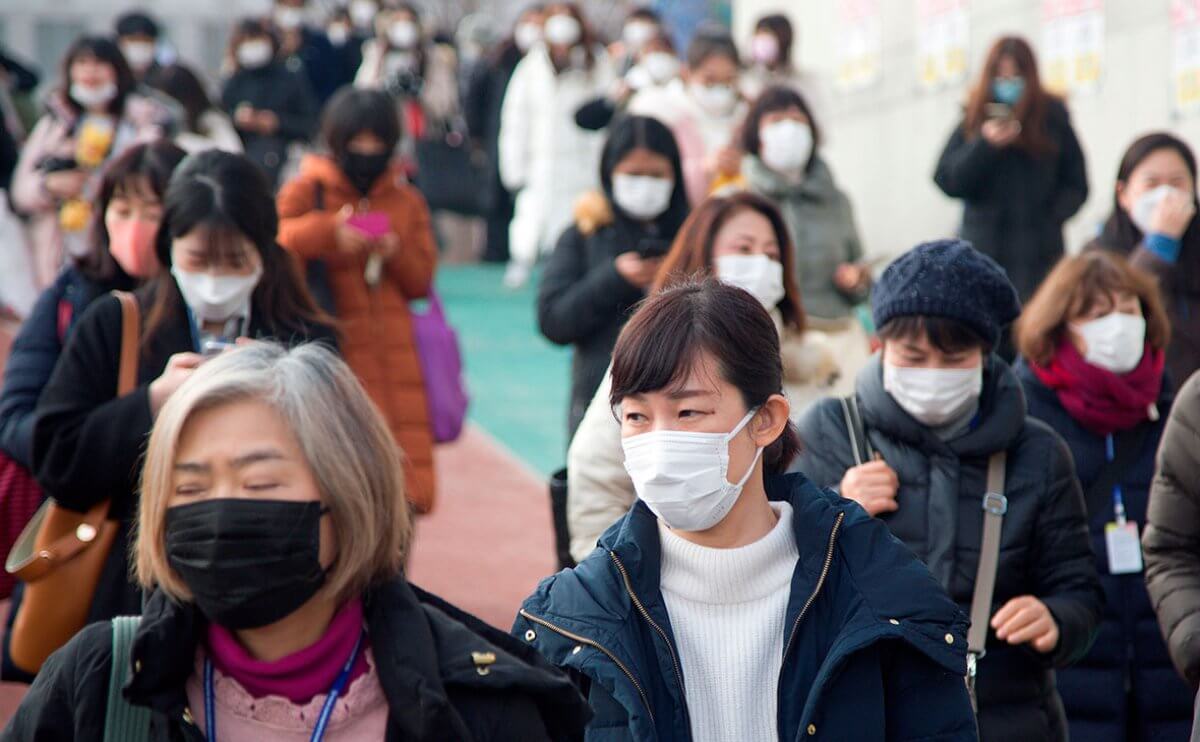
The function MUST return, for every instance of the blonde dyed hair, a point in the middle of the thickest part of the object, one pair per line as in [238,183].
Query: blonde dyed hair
[341,434]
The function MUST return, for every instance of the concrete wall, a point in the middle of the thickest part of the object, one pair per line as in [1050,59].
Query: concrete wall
[885,141]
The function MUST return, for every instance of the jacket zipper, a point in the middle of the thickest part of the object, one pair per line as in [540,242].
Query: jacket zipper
[820,583]
[646,615]
[595,645]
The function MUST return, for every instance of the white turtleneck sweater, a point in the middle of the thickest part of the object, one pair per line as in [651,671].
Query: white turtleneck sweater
[727,609]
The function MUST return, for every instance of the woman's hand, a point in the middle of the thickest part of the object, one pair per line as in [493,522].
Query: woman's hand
[244,116]
[1026,619]
[1173,214]
[180,368]
[851,277]
[637,271]
[266,122]
[729,162]
[873,485]
[65,184]
[1001,132]
[350,240]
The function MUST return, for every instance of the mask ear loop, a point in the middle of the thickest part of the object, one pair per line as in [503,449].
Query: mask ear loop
[758,449]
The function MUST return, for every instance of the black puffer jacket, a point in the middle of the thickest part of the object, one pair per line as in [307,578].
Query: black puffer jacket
[1044,550]
[1171,543]
[283,91]
[423,652]
[1014,203]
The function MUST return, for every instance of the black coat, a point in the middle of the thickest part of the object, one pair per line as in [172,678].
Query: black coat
[286,93]
[1044,549]
[583,301]
[87,443]
[322,65]
[423,652]
[1014,203]
[1129,652]
[481,107]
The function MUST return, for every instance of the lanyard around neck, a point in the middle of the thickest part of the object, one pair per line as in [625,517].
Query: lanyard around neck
[339,686]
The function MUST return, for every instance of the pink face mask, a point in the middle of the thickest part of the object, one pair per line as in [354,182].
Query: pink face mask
[131,243]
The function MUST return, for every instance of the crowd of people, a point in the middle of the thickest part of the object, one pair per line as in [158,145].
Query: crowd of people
[807,495]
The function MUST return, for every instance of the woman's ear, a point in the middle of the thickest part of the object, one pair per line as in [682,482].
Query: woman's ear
[770,420]
[1123,198]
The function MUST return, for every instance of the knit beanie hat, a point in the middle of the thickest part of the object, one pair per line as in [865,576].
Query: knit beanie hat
[950,279]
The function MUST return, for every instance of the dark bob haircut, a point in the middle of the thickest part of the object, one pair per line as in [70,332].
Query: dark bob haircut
[711,40]
[641,132]
[662,342]
[103,50]
[947,335]
[185,87]
[142,171]
[1120,233]
[136,23]
[773,100]
[229,198]
[352,111]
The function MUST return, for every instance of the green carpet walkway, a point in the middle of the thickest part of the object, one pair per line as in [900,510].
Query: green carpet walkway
[518,381]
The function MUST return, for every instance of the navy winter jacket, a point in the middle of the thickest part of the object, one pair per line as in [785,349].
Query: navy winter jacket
[874,650]
[1044,546]
[34,354]
[1126,683]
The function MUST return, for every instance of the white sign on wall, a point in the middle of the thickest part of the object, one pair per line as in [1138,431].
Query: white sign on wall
[942,37]
[860,53]
[1185,56]
[1072,45]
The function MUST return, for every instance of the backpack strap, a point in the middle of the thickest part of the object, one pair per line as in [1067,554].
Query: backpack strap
[860,445]
[995,505]
[124,721]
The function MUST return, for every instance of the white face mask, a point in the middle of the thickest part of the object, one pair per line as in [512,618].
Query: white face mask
[339,34]
[216,298]
[1115,341]
[637,33]
[661,66]
[289,18]
[642,197]
[562,30]
[404,34]
[255,54]
[787,145]
[362,12]
[683,476]
[90,96]
[758,274]
[718,100]
[1142,214]
[526,35]
[139,54]
[933,396]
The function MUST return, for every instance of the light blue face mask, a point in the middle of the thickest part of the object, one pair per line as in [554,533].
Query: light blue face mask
[1008,90]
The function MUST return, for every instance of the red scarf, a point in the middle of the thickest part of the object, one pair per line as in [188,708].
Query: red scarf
[1100,400]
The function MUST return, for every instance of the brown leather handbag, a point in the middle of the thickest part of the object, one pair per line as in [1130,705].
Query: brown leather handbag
[61,553]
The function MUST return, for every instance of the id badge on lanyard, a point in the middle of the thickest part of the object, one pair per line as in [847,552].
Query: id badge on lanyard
[1121,538]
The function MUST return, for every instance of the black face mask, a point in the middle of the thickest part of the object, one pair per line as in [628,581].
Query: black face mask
[364,170]
[248,563]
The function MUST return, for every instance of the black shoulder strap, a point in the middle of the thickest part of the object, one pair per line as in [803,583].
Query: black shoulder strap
[860,445]
[1128,445]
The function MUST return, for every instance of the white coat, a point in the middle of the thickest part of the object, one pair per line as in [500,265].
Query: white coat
[545,158]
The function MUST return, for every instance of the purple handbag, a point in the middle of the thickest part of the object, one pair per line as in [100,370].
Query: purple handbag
[441,368]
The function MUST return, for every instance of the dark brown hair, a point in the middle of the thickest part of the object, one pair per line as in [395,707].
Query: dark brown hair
[1120,233]
[1076,286]
[1030,111]
[947,335]
[780,27]
[103,50]
[691,255]
[662,342]
[142,170]
[711,40]
[774,99]
[587,36]
[251,28]
[352,111]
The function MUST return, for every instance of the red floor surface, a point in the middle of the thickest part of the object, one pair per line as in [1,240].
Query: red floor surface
[490,538]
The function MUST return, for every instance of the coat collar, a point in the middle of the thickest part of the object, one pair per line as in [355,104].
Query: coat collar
[817,184]
[324,169]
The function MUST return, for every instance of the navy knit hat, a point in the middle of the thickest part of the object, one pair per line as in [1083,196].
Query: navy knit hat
[950,279]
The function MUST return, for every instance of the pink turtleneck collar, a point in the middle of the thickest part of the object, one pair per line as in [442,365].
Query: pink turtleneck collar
[299,676]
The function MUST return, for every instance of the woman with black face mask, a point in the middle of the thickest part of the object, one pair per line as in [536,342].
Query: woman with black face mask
[271,537]
[352,209]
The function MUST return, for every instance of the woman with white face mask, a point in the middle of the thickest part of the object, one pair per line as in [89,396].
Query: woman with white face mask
[783,163]
[605,262]
[773,60]
[224,279]
[714,570]
[90,119]
[703,108]
[741,240]
[937,404]
[1092,343]
[1153,223]
[546,159]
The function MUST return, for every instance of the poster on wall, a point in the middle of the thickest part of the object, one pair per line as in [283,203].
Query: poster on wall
[942,36]
[1072,45]
[860,53]
[1185,56]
